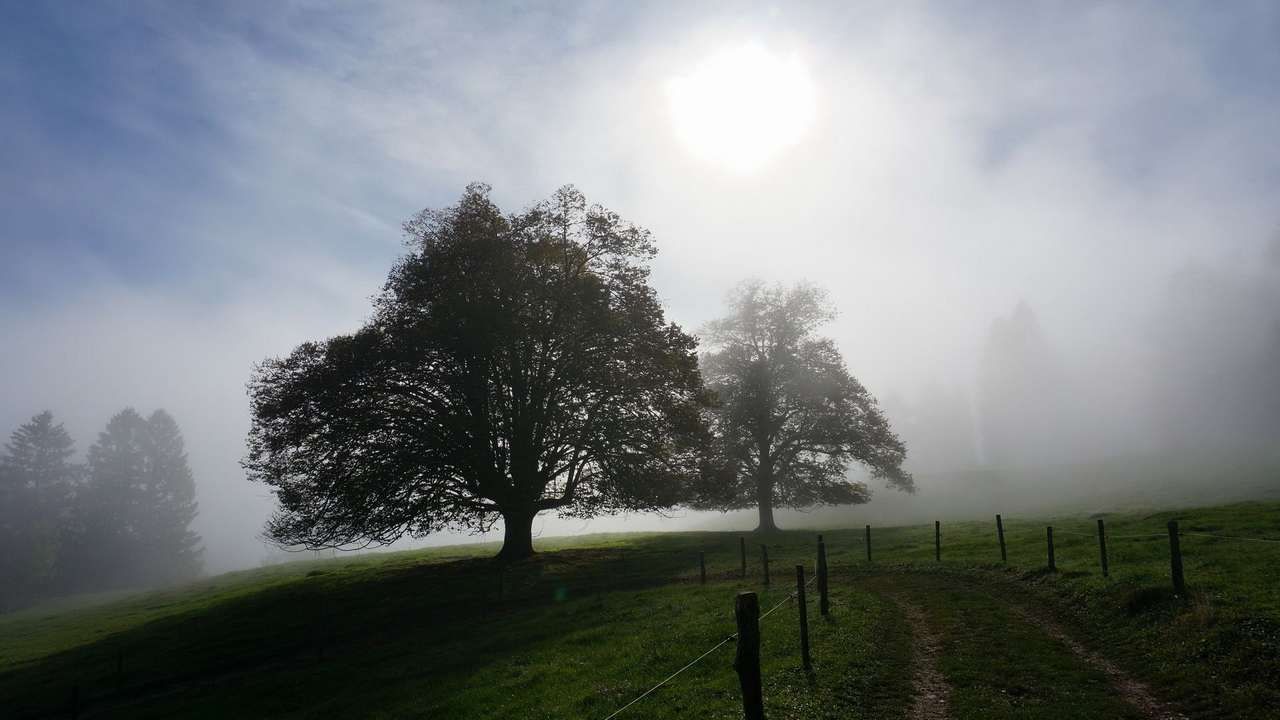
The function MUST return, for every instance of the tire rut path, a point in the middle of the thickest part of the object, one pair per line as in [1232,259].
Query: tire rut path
[932,691]
[1135,692]
[932,699]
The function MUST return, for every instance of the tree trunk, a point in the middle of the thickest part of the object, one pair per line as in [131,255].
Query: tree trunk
[517,541]
[764,499]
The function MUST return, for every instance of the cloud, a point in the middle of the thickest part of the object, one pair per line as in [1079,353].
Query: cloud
[193,189]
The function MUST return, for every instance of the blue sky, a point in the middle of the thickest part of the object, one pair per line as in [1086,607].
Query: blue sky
[187,188]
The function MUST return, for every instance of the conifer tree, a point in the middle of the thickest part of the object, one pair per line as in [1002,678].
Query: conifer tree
[171,549]
[138,505]
[37,481]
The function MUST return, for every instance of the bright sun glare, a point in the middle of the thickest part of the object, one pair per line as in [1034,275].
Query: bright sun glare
[742,106]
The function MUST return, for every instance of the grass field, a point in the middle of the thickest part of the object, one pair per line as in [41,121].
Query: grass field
[592,622]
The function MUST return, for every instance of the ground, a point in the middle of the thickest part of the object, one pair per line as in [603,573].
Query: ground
[590,624]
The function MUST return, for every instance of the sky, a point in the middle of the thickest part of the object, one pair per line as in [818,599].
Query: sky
[187,189]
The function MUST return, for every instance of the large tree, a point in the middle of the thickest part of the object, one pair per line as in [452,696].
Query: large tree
[790,419]
[513,364]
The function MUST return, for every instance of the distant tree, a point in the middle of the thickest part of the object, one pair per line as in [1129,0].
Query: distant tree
[171,550]
[37,481]
[138,503]
[513,365]
[110,511]
[790,418]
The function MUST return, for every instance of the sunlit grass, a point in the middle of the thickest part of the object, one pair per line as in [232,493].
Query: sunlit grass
[595,620]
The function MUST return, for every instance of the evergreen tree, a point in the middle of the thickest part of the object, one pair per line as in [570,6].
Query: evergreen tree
[37,481]
[112,511]
[171,550]
[138,505]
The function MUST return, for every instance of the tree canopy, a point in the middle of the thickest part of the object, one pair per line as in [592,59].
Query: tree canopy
[790,418]
[513,364]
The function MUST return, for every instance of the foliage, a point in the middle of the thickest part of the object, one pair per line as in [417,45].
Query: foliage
[37,480]
[513,365]
[136,507]
[790,417]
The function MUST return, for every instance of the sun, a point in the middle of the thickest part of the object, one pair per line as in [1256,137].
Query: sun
[742,106]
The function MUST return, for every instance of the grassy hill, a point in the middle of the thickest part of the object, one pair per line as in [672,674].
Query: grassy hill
[594,621]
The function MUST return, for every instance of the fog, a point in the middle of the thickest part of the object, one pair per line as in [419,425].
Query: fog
[1051,233]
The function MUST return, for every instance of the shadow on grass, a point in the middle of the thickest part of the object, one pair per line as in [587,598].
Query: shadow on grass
[328,617]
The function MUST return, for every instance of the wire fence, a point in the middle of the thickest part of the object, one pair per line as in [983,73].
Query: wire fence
[1231,537]
[791,596]
[1020,533]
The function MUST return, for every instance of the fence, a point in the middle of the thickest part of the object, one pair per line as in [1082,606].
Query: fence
[748,617]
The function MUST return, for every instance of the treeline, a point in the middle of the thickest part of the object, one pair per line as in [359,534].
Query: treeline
[120,519]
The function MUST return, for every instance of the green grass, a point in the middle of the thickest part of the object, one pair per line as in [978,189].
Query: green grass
[594,621]
[1001,666]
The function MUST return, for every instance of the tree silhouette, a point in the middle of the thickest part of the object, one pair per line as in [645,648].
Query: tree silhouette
[171,550]
[513,365]
[790,418]
[137,505]
[37,480]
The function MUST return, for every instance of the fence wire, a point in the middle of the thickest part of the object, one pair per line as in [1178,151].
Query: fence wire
[1021,533]
[703,656]
[1230,537]
[673,675]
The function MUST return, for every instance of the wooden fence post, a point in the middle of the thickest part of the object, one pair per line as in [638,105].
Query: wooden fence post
[804,619]
[746,611]
[868,543]
[1053,565]
[1102,546]
[1004,556]
[937,540]
[742,548]
[702,566]
[824,605]
[764,561]
[1175,560]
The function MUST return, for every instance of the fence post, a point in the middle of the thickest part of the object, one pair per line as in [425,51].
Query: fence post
[804,619]
[937,540]
[742,548]
[1102,546]
[1004,556]
[746,611]
[1053,565]
[764,561]
[1175,559]
[824,605]
[868,543]
[702,566]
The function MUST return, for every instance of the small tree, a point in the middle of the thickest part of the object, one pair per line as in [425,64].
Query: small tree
[790,418]
[513,365]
